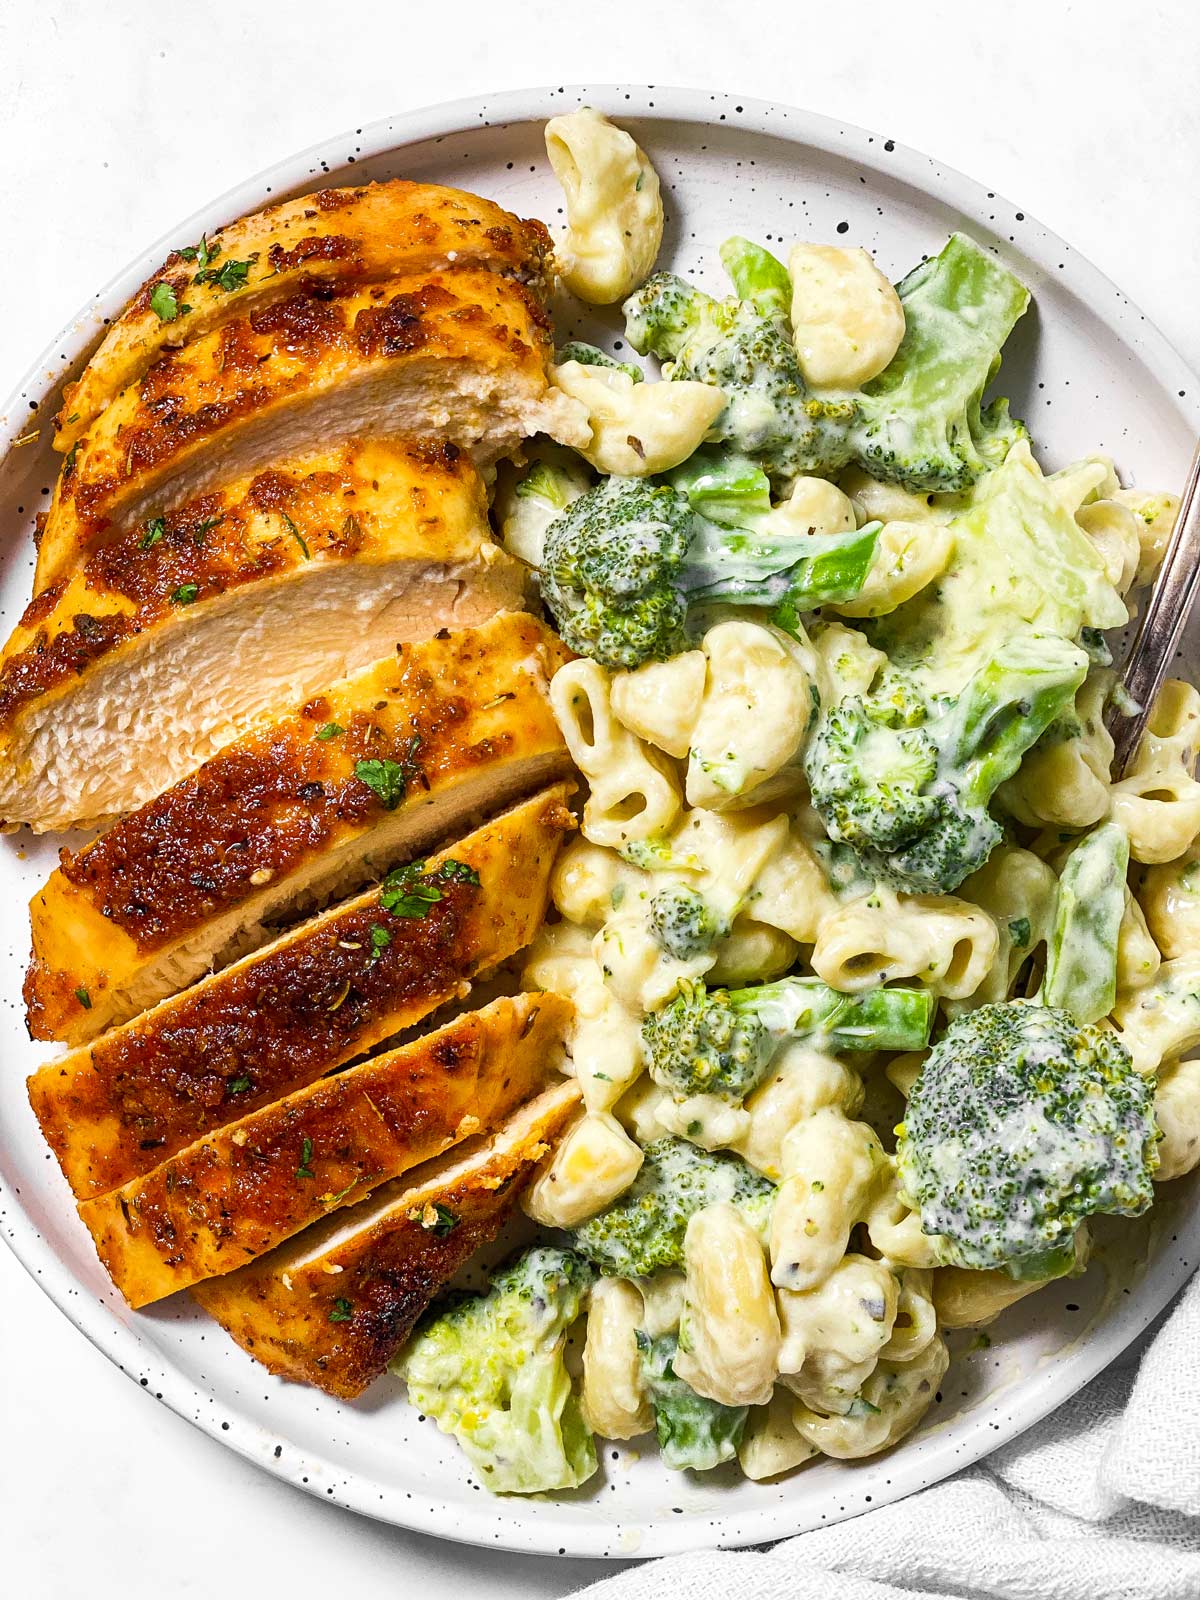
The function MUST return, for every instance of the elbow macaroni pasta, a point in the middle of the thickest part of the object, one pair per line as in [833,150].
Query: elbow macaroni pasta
[945,943]
[753,718]
[638,428]
[908,556]
[1158,804]
[614,1398]
[831,1166]
[729,1326]
[593,1164]
[660,701]
[633,793]
[1177,1110]
[847,319]
[614,206]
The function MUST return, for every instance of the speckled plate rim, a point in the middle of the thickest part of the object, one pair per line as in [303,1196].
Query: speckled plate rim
[869,1484]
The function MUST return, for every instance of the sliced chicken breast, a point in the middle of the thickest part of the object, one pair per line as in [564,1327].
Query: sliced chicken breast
[234,1195]
[321,995]
[333,237]
[334,1305]
[179,634]
[458,356]
[375,769]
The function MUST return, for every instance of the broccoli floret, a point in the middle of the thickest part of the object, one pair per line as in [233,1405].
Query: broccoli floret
[590,355]
[683,922]
[627,565]
[1021,1124]
[693,1431]
[907,781]
[920,423]
[721,1041]
[1081,953]
[747,352]
[526,508]
[490,1370]
[644,1229]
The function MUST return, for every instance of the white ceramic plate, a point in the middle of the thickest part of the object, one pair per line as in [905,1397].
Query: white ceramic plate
[1084,369]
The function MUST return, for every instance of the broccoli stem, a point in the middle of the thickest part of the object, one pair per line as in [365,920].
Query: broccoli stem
[744,570]
[727,488]
[1005,709]
[806,1008]
[758,277]
[1081,955]
[693,1431]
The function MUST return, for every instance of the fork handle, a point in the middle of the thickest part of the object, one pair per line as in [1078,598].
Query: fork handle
[1163,622]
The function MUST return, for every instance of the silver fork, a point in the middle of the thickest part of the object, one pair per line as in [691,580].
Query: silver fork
[1163,622]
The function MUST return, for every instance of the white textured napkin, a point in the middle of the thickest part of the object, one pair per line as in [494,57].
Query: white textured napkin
[1101,1501]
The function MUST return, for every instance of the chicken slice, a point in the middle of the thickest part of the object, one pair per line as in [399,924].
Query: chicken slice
[334,1305]
[333,237]
[311,1000]
[376,768]
[459,356]
[246,1188]
[183,631]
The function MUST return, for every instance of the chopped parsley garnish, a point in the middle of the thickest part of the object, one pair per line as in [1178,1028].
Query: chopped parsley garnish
[452,871]
[342,1310]
[239,1085]
[405,895]
[84,998]
[1019,931]
[329,730]
[153,533]
[165,304]
[304,1170]
[380,939]
[296,534]
[229,277]
[410,891]
[202,254]
[185,594]
[69,463]
[387,780]
[201,528]
[332,1199]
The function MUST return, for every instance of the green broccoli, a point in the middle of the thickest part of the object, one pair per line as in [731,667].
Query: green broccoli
[907,780]
[1021,565]
[589,355]
[526,508]
[627,564]
[1021,1124]
[1081,953]
[644,1229]
[747,352]
[920,423]
[721,1041]
[683,922]
[490,1370]
[693,1431]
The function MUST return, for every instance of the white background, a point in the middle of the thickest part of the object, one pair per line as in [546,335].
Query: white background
[120,117]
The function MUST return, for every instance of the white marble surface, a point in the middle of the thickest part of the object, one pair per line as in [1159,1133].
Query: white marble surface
[119,119]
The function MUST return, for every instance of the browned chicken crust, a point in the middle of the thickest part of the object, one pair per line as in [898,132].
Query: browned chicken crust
[315,998]
[232,1196]
[459,355]
[334,1306]
[448,726]
[177,634]
[333,237]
